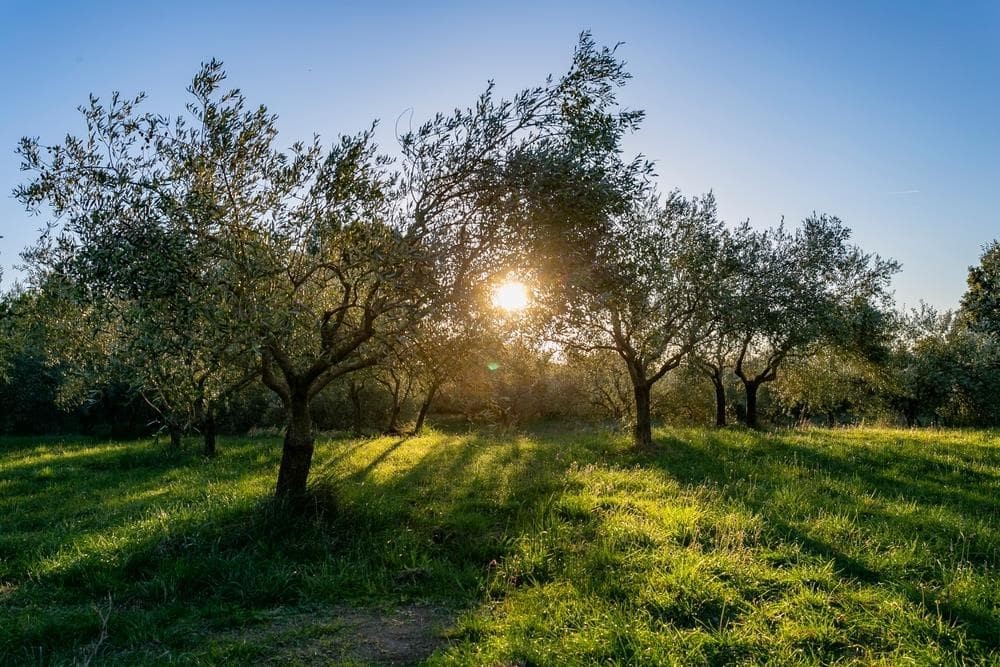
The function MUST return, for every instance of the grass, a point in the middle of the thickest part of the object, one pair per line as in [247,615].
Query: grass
[557,546]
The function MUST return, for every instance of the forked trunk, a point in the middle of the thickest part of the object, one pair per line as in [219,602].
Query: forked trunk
[296,455]
[400,393]
[393,427]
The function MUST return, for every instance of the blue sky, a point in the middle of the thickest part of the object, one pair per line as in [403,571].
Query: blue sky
[885,114]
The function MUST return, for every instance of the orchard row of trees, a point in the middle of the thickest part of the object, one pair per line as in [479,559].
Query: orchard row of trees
[191,262]
[933,370]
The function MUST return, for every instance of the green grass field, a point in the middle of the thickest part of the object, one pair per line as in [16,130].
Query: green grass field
[550,547]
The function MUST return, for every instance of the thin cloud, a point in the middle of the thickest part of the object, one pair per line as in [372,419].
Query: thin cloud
[904,192]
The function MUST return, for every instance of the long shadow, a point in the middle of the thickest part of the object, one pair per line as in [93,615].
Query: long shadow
[375,462]
[458,502]
[321,470]
[928,473]
[414,520]
[34,491]
[428,530]
[54,510]
[770,456]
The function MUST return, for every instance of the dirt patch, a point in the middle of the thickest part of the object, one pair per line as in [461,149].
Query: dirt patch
[339,634]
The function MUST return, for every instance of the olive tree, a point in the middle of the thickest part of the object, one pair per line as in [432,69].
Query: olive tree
[795,290]
[646,291]
[312,262]
[443,346]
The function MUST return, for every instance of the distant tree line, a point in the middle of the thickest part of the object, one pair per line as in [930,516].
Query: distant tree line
[195,277]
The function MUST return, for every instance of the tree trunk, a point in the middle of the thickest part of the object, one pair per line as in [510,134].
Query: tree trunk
[400,392]
[642,432]
[175,437]
[354,391]
[720,400]
[208,433]
[206,422]
[424,407]
[393,427]
[296,455]
[751,416]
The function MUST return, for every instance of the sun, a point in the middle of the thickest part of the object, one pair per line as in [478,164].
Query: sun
[511,296]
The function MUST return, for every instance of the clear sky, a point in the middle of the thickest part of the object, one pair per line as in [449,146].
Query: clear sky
[885,114]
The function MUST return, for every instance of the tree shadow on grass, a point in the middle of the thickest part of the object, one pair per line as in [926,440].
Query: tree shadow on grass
[891,495]
[413,521]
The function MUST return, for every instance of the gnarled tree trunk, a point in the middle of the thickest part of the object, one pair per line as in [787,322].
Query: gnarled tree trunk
[297,452]
[297,389]
[642,431]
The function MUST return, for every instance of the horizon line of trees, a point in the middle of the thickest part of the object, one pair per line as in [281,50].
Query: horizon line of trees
[197,276]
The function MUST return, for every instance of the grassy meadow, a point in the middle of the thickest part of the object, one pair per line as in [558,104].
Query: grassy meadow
[549,547]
